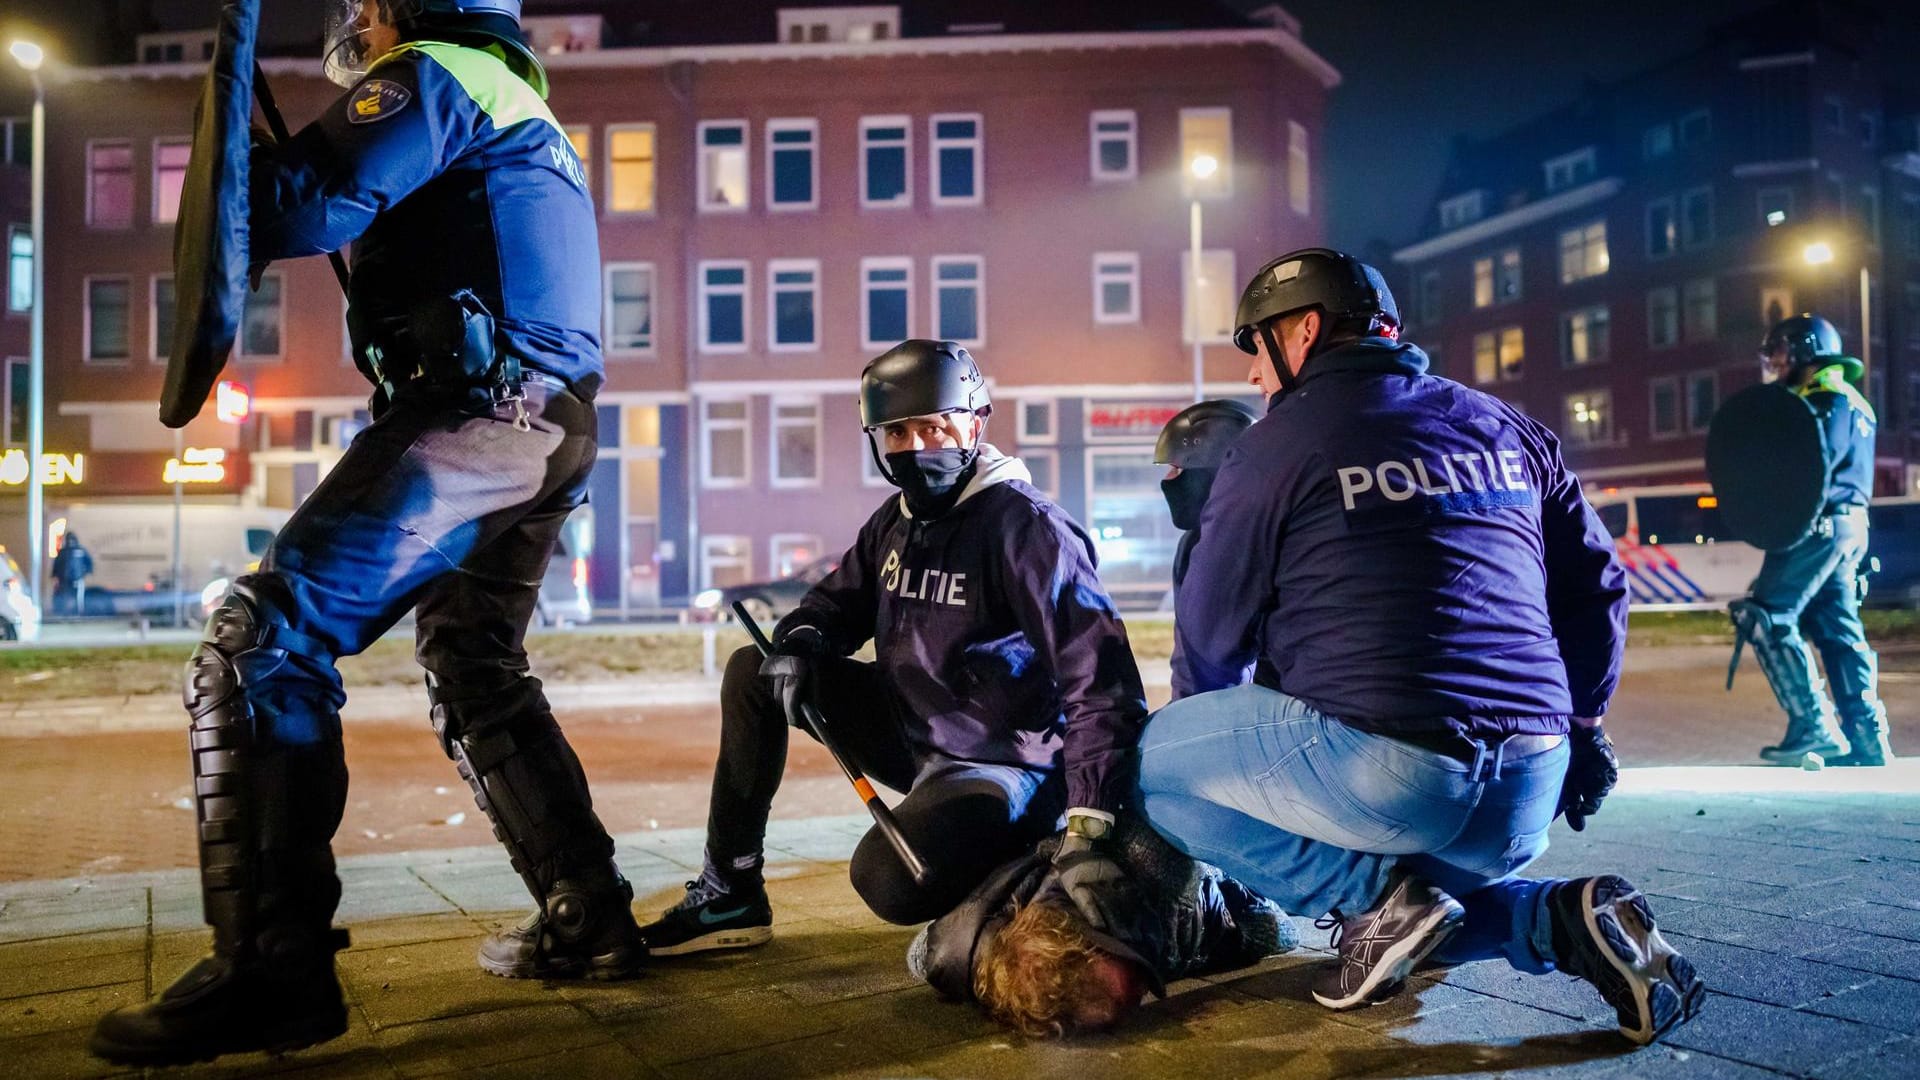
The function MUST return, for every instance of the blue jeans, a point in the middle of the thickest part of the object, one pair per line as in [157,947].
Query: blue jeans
[1315,814]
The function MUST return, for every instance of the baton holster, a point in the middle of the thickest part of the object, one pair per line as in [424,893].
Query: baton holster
[443,347]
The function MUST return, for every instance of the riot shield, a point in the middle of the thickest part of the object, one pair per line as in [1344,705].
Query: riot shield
[1768,465]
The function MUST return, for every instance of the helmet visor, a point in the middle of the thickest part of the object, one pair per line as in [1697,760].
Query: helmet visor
[353,38]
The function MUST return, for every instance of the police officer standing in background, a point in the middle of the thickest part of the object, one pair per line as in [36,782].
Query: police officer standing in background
[474,306]
[1815,585]
[1441,622]
[1192,446]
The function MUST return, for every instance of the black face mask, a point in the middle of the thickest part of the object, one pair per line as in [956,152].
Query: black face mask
[931,480]
[1186,494]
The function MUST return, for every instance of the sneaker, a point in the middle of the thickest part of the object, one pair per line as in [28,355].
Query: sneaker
[708,918]
[1606,935]
[1264,928]
[583,932]
[1377,949]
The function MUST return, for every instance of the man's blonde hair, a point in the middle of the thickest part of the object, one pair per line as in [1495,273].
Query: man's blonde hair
[1044,976]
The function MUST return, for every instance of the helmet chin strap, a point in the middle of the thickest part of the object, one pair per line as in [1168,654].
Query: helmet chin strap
[1281,369]
[880,461]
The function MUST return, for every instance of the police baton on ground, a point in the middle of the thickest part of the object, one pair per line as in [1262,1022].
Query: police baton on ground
[882,817]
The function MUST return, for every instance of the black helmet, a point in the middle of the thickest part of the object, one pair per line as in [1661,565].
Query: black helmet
[496,22]
[1809,339]
[1198,436]
[921,378]
[1341,286]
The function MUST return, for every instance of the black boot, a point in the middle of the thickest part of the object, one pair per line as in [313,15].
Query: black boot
[585,930]
[1868,737]
[1812,734]
[283,996]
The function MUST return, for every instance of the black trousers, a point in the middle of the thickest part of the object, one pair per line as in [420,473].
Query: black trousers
[964,818]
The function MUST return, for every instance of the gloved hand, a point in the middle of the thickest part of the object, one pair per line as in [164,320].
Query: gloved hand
[791,669]
[1096,884]
[1591,773]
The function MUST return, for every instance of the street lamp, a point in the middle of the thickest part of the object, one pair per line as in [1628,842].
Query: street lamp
[1820,253]
[30,56]
[1203,166]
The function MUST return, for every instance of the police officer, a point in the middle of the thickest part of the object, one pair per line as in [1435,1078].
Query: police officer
[1816,583]
[1002,689]
[1441,621]
[1192,446]
[474,303]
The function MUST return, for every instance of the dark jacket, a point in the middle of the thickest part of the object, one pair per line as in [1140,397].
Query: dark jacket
[446,172]
[72,565]
[1199,930]
[994,631]
[1847,425]
[1407,555]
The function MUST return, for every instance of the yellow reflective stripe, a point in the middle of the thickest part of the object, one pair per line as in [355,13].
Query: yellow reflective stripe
[1833,380]
[503,96]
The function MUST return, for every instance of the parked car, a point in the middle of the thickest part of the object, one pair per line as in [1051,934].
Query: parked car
[764,600]
[19,615]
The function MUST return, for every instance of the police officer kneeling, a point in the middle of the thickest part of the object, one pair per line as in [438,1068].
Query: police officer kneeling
[475,305]
[1003,690]
[1440,621]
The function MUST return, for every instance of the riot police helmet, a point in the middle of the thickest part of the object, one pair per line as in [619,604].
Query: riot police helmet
[919,377]
[1199,435]
[493,25]
[1346,291]
[1809,340]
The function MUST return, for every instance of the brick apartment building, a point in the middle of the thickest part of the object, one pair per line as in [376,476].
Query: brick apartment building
[1611,266]
[784,191]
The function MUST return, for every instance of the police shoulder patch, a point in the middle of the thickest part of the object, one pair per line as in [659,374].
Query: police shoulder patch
[377,99]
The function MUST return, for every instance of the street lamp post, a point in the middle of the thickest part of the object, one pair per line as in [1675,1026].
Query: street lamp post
[29,56]
[1203,167]
[1820,253]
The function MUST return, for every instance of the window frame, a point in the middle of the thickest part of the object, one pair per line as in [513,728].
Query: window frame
[1673,297]
[86,322]
[1566,335]
[1687,385]
[1497,337]
[936,287]
[905,124]
[1132,278]
[1585,245]
[20,232]
[709,425]
[1672,209]
[1095,137]
[701,172]
[868,264]
[1679,429]
[774,542]
[810,125]
[1568,166]
[774,268]
[153,208]
[1188,330]
[585,131]
[1572,429]
[710,541]
[774,426]
[653,308]
[91,220]
[612,162]
[1687,292]
[1026,436]
[157,350]
[705,292]
[1688,241]
[240,352]
[936,143]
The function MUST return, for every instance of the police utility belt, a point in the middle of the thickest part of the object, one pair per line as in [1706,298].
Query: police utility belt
[444,347]
[1823,525]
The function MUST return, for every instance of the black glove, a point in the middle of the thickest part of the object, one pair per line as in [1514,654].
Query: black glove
[1591,774]
[790,667]
[1096,884]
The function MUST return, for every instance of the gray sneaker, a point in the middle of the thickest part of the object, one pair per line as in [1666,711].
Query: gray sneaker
[1379,948]
[1607,936]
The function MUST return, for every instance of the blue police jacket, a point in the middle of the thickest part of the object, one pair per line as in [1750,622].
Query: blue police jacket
[446,172]
[1406,555]
[1847,423]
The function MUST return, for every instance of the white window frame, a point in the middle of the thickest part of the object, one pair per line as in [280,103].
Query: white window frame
[1673,299]
[86,322]
[1688,241]
[883,262]
[1131,276]
[1463,209]
[706,292]
[711,543]
[1671,382]
[708,425]
[1562,173]
[1571,436]
[157,350]
[1188,331]
[1095,137]
[240,352]
[700,166]
[653,204]
[653,308]
[92,145]
[1687,290]
[774,268]
[1029,437]
[1686,400]
[20,232]
[1581,230]
[869,470]
[905,124]
[775,542]
[154,175]
[1029,455]
[774,424]
[1225,173]
[935,143]
[935,287]
[1300,168]
[1566,336]
[1483,275]
[794,123]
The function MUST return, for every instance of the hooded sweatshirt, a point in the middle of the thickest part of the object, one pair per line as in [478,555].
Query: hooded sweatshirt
[994,631]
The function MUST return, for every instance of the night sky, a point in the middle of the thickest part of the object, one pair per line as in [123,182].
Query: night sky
[1416,72]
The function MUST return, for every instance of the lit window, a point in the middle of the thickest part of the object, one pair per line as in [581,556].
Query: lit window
[1299,192]
[886,301]
[796,443]
[1583,252]
[886,161]
[726,449]
[792,552]
[107,319]
[956,159]
[1219,291]
[631,169]
[793,165]
[1116,287]
[958,299]
[723,306]
[1115,144]
[169,173]
[1585,337]
[629,307]
[110,185]
[1482,283]
[793,305]
[1589,418]
[723,165]
[19,269]
[1499,356]
[1776,205]
[1206,132]
[261,320]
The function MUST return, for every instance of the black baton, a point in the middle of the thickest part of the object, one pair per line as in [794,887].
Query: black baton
[882,817]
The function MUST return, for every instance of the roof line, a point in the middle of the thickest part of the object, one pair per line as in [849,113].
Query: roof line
[1487,228]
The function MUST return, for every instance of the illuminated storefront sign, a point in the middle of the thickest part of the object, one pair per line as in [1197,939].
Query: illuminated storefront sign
[1128,419]
[55,469]
[196,465]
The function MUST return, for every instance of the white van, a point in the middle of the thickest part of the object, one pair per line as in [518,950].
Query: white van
[132,549]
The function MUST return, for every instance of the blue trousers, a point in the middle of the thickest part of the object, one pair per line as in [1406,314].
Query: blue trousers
[1811,592]
[1315,814]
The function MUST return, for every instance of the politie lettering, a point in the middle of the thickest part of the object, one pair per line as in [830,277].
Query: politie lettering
[937,586]
[1402,480]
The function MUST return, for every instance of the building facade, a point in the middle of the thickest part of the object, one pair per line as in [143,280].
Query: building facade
[784,193]
[1612,266]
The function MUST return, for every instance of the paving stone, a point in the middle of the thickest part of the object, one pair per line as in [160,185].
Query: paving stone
[1893,1004]
[1556,993]
[477,1040]
[1773,1037]
[407,984]
[1896,1059]
[1882,956]
[23,963]
[1877,918]
[605,1060]
[66,1009]
[63,923]
[1768,977]
[713,1027]
[60,1054]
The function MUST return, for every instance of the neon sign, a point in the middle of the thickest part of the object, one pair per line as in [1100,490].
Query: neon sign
[55,469]
[196,466]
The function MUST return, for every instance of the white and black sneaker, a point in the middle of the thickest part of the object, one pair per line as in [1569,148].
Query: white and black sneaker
[708,918]
[1605,934]
[1379,948]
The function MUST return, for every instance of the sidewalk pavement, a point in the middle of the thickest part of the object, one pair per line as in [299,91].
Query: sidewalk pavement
[1796,894]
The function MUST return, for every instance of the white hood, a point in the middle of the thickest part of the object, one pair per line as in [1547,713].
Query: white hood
[992,468]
